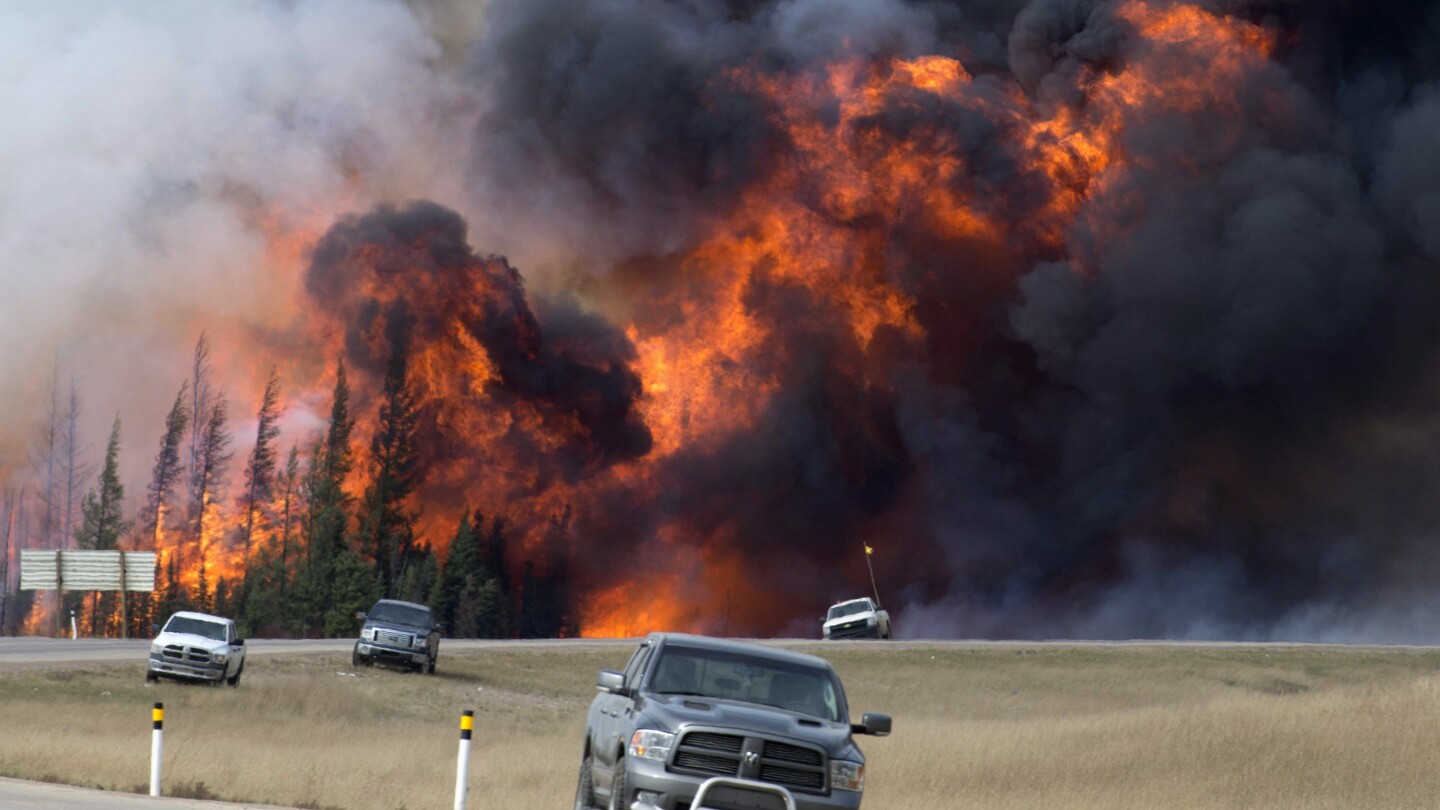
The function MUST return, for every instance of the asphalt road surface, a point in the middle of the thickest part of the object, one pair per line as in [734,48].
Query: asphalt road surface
[18,795]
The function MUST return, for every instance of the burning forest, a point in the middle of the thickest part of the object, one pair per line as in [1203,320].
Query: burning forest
[1092,318]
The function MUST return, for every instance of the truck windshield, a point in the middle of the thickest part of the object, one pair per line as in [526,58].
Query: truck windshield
[849,608]
[400,614]
[751,679]
[195,627]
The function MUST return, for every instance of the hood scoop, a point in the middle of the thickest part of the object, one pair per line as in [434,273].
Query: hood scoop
[695,704]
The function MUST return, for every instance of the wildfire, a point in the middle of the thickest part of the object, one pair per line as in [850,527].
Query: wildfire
[555,422]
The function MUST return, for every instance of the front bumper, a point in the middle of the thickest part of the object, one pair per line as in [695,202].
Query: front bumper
[860,629]
[675,791]
[385,654]
[194,671]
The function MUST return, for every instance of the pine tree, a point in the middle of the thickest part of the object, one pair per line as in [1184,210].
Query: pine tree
[461,561]
[260,468]
[166,473]
[102,522]
[331,583]
[211,463]
[418,581]
[70,468]
[496,561]
[201,400]
[387,531]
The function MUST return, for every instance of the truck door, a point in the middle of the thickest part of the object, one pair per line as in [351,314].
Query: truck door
[616,711]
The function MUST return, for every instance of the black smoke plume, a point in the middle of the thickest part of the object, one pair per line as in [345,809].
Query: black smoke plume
[1209,410]
[400,279]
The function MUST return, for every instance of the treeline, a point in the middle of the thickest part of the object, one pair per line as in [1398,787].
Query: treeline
[289,551]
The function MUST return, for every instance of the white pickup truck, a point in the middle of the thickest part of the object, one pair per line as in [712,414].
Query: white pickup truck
[197,647]
[856,618]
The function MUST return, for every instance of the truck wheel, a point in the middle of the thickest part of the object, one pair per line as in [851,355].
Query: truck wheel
[151,677]
[356,659]
[617,788]
[234,680]
[584,791]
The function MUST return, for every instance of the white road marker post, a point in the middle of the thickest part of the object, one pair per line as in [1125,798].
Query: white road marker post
[462,768]
[156,745]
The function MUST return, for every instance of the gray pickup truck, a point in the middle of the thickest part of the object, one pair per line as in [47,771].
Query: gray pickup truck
[398,634]
[688,708]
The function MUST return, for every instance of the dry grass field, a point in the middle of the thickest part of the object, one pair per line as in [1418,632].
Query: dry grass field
[982,726]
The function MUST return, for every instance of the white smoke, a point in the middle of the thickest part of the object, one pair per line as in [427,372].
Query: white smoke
[145,150]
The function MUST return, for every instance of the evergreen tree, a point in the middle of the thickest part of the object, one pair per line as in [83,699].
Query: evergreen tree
[335,582]
[166,473]
[461,560]
[212,460]
[496,561]
[71,469]
[387,531]
[101,519]
[201,400]
[260,468]
[102,522]
[418,580]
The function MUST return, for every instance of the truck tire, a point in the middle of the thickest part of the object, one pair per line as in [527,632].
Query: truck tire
[356,659]
[584,790]
[234,680]
[151,677]
[617,787]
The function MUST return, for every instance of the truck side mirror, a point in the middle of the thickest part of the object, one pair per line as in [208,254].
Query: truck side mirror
[360,615]
[613,682]
[240,642]
[872,723]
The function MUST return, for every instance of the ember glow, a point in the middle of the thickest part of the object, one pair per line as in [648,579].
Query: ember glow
[1084,316]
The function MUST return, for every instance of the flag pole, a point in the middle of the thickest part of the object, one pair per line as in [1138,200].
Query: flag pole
[869,551]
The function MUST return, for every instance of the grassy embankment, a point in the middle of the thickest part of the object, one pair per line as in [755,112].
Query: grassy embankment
[976,726]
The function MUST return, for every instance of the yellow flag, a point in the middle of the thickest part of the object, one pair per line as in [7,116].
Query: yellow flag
[869,550]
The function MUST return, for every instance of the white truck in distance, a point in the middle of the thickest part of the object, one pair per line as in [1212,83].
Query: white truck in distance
[197,647]
[856,618]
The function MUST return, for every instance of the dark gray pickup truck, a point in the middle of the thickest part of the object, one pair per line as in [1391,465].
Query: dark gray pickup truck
[688,708]
[396,633]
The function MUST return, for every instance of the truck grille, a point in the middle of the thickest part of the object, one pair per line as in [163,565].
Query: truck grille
[178,652]
[392,638]
[850,630]
[707,753]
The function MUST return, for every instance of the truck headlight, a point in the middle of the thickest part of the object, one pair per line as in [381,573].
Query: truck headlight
[421,642]
[650,744]
[872,620]
[220,658]
[156,649]
[847,775]
[367,633]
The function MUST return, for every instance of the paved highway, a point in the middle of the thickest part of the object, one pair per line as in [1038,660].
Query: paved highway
[18,795]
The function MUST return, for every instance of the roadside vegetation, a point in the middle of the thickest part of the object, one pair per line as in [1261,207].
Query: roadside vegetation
[986,726]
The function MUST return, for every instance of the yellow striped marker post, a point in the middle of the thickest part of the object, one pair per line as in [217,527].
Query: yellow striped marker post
[157,717]
[462,770]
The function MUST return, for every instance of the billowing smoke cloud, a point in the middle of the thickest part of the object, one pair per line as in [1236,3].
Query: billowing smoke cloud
[1205,409]
[166,165]
[405,281]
